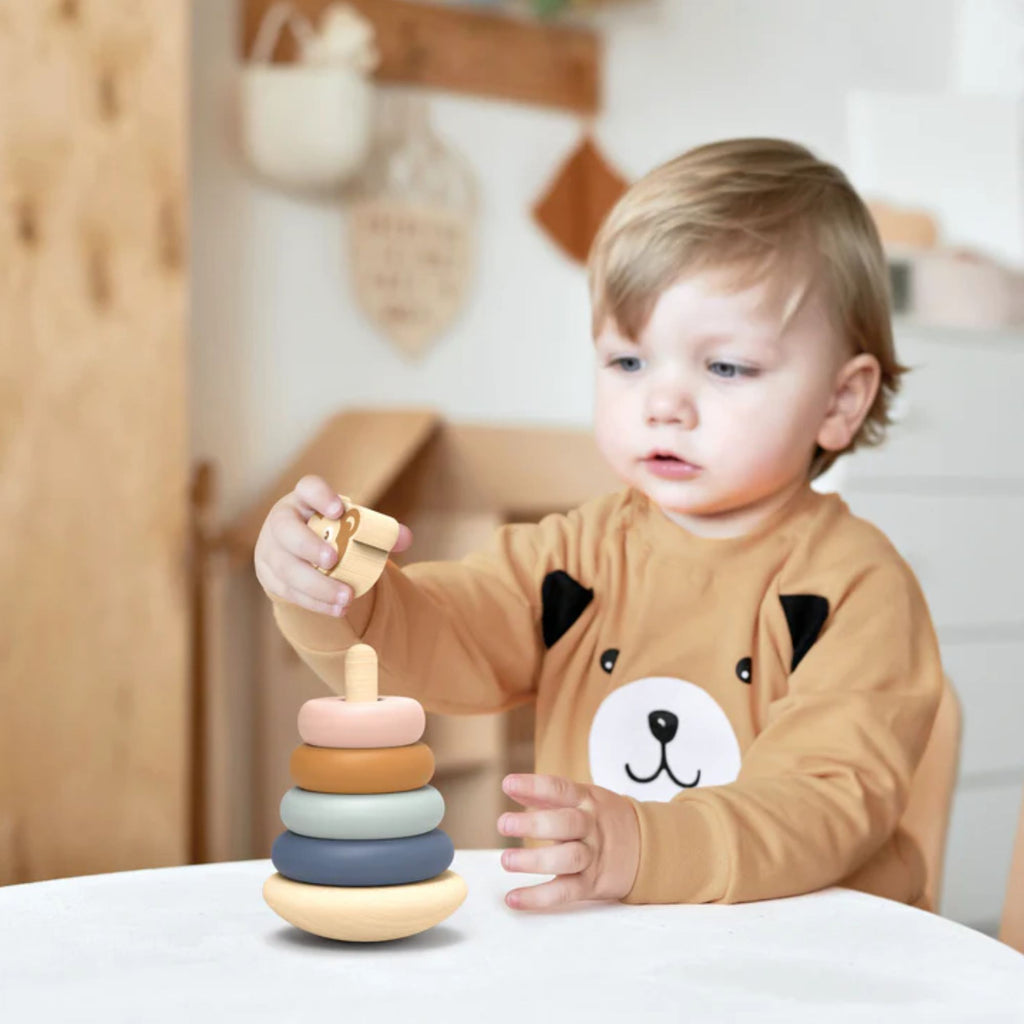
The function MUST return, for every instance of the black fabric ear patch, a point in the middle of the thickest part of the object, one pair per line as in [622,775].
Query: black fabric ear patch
[743,669]
[609,658]
[563,601]
[805,615]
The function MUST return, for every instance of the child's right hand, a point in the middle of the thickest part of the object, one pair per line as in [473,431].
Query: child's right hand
[286,547]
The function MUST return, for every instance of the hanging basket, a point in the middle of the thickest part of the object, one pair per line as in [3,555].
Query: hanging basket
[304,126]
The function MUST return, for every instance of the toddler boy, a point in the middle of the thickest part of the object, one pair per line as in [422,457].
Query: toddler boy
[734,676]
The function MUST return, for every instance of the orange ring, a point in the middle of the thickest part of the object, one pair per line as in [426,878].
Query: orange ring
[363,770]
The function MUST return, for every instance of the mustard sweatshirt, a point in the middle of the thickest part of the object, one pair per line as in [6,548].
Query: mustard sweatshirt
[763,700]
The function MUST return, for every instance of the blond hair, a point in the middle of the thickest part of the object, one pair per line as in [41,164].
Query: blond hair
[763,207]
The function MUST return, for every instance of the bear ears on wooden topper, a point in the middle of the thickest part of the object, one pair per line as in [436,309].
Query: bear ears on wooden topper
[363,539]
[306,124]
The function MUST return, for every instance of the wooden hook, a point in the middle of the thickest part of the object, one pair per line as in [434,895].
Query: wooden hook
[27,227]
[169,240]
[97,270]
[107,96]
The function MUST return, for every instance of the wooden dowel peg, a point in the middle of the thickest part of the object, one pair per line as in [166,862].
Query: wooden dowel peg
[360,673]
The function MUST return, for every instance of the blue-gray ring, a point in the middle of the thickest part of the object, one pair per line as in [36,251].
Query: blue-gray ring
[362,815]
[355,862]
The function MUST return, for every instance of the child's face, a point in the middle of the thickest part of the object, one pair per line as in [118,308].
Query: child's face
[716,410]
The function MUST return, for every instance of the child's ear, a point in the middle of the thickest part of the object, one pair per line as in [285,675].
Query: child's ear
[856,385]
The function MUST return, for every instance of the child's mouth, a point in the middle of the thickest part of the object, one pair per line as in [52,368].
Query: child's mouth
[665,464]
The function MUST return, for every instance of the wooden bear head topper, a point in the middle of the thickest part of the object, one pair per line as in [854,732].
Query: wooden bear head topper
[338,532]
[363,539]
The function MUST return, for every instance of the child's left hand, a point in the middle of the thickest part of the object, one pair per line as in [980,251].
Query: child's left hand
[597,841]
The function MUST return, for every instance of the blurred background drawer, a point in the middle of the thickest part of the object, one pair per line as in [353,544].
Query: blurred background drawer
[957,412]
[966,549]
[987,677]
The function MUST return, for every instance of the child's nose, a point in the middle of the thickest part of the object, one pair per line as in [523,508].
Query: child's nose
[671,405]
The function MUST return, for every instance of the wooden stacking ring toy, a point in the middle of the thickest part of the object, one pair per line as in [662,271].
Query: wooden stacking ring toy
[371,770]
[338,722]
[363,539]
[362,861]
[363,815]
[363,864]
[368,914]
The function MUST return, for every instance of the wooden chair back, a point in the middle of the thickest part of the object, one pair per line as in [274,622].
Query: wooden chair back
[1011,930]
[926,818]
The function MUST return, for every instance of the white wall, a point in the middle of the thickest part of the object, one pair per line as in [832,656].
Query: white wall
[278,343]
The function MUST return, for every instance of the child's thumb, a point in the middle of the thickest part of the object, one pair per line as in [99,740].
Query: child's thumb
[404,538]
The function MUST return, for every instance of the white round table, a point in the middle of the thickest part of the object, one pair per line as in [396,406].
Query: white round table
[199,944]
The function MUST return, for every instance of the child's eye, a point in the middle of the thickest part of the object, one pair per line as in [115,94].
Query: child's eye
[628,364]
[730,370]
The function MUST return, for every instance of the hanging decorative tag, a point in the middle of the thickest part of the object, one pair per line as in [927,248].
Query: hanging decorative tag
[411,229]
[578,199]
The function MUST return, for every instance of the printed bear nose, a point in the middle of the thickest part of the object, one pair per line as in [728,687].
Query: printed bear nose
[664,725]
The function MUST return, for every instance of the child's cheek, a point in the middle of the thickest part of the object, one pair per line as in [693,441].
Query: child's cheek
[605,429]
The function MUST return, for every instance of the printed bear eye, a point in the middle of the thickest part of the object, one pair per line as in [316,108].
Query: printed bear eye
[608,658]
[743,669]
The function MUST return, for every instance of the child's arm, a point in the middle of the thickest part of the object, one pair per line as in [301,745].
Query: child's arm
[822,787]
[458,636]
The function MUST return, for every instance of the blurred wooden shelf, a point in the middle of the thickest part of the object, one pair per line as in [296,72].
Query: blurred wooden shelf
[452,768]
[469,51]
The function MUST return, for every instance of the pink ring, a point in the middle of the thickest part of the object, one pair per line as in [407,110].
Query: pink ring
[385,722]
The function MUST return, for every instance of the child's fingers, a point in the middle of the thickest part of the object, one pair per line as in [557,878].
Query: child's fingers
[404,538]
[317,495]
[561,823]
[302,598]
[561,859]
[542,790]
[314,494]
[302,578]
[294,537]
[556,893]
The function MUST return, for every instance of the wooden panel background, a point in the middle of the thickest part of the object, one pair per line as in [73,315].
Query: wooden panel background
[94,663]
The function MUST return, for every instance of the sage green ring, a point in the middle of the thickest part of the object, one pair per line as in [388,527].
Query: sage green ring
[362,815]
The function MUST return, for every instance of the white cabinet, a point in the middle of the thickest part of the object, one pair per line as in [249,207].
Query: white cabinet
[948,489]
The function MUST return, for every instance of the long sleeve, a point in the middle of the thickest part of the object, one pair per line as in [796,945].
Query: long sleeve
[460,637]
[824,783]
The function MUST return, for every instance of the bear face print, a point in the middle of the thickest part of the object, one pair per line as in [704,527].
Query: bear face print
[659,736]
[654,738]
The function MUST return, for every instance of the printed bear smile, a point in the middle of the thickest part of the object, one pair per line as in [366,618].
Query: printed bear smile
[663,767]
[649,737]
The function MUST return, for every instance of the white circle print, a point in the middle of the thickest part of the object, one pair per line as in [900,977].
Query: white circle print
[657,737]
